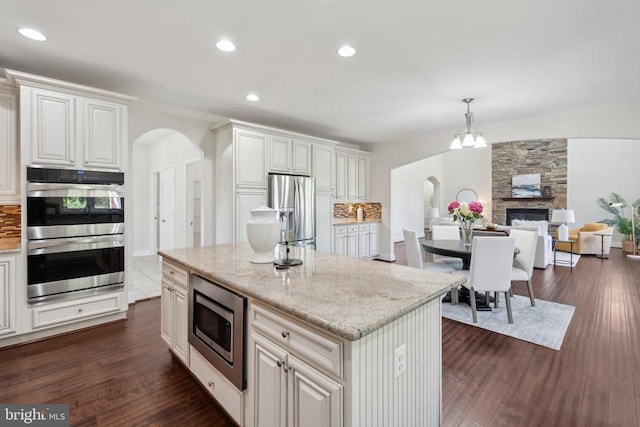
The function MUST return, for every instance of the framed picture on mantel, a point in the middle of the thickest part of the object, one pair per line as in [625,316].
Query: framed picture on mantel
[525,185]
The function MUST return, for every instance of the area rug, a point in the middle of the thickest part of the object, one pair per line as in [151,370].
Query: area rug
[545,324]
[563,259]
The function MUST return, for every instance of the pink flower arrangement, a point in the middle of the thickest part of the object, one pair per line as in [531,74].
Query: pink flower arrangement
[465,212]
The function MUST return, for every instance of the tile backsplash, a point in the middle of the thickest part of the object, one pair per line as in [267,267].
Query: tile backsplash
[10,221]
[349,210]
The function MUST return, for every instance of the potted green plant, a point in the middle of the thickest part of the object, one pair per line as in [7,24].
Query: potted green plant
[622,223]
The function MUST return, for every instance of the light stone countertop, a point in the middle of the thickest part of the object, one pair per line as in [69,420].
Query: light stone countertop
[347,296]
[352,221]
[10,245]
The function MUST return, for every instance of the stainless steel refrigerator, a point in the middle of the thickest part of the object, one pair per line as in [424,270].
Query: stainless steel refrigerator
[294,198]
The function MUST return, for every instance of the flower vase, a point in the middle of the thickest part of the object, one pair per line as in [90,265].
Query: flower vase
[467,232]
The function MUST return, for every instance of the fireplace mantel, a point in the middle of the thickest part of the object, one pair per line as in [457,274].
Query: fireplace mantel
[524,199]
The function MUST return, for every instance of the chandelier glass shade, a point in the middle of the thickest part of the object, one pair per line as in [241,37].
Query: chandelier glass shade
[468,139]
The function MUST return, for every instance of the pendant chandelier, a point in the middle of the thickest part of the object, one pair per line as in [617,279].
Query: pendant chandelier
[468,139]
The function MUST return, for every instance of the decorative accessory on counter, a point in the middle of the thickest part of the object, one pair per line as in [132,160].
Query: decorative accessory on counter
[466,215]
[263,233]
[286,262]
[359,214]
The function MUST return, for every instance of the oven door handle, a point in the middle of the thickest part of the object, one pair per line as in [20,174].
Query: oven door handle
[49,246]
[40,189]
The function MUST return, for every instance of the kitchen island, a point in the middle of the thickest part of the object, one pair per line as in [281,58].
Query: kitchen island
[363,338]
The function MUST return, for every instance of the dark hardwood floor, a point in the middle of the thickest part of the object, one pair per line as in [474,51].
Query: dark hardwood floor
[594,380]
[119,374]
[122,374]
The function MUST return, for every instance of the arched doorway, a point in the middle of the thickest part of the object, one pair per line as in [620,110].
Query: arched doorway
[166,178]
[432,199]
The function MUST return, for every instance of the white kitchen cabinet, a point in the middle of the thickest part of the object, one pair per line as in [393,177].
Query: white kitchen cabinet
[373,239]
[351,176]
[250,158]
[322,167]
[287,155]
[362,189]
[49,122]
[65,124]
[174,316]
[55,314]
[9,164]
[363,240]
[356,240]
[103,133]
[324,218]
[7,295]
[288,383]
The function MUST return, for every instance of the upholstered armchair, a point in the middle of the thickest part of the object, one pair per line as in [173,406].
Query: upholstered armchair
[544,246]
[586,240]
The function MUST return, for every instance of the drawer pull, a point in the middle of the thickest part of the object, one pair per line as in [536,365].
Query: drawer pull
[285,334]
[80,310]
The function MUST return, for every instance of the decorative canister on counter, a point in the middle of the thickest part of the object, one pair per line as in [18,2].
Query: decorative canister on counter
[263,233]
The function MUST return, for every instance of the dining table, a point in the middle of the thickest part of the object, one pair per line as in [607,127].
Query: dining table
[457,249]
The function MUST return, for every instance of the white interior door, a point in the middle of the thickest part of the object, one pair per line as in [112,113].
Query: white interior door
[167,204]
[154,211]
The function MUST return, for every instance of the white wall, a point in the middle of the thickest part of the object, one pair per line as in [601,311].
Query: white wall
[407,195]
[596,168]
[611,121]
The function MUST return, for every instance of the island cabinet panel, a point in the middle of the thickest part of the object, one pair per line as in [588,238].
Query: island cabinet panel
[294,373]
[226,394]
[382,397]
[287,392]
[174,315]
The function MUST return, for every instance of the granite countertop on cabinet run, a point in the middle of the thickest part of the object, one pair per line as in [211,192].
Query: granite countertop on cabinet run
[351,221]
[10,245]
[347,296]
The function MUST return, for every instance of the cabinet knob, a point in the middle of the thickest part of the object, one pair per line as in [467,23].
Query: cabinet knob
[211,384]
[80,310]
[286,367]
[279,363]
[172,273]
[285,334]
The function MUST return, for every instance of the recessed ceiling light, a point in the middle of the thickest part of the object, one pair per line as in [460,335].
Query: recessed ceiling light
[253,97]
[32,34]
[346,51]
[226,46]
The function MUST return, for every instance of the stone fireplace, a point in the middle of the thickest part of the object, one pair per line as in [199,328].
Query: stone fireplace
[530,214]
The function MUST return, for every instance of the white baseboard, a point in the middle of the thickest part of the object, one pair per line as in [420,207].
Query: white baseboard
[386,257]
[144,252]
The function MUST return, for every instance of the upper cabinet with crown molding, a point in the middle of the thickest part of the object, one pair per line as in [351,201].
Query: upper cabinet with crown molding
[352,175]
[68,125]
[9,164]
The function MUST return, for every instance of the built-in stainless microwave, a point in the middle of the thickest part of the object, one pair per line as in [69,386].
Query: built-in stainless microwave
[217,327]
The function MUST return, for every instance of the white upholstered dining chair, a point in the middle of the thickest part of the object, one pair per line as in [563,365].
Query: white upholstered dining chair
[490,271]
[414,254]
[522,270]
[446,232]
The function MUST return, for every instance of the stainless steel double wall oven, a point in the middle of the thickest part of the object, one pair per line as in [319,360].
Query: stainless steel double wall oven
[75,233]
